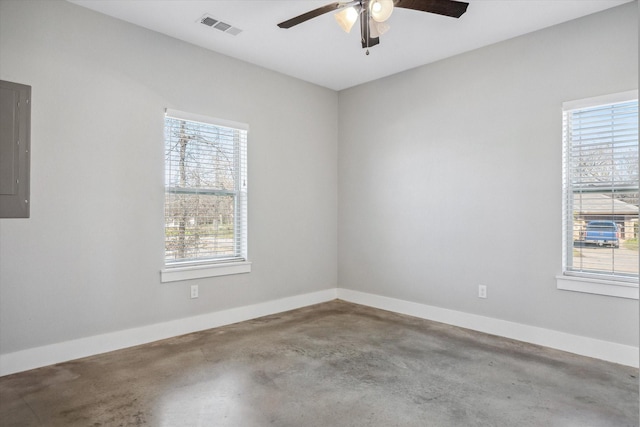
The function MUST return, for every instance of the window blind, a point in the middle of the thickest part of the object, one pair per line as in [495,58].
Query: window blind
[205,190]
[601,190]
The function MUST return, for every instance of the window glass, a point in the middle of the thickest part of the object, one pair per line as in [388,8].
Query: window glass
[601,191]
[205,192]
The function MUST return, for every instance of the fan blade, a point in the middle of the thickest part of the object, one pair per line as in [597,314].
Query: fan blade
[365,30]
[452,8]
[311,14]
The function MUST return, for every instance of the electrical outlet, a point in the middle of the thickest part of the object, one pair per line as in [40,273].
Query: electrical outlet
[194,291]
[482,291]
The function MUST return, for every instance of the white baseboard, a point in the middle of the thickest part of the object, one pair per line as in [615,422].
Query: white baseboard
[69,350]
[590,347]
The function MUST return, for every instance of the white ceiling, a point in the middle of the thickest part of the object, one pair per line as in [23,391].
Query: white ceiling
[318,51]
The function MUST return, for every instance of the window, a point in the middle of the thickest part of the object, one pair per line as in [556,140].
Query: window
[205,196]
[600,141]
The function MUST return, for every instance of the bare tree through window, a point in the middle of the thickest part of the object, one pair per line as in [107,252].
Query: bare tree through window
[205,191]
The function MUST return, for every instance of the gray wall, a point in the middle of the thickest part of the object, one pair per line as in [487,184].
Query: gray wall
[436,167]
[450,177]
[88,260]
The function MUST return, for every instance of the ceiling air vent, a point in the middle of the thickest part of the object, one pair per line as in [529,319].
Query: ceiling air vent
[209,21]
[222,26]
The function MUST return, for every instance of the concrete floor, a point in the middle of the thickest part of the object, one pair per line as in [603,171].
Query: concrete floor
[333,364]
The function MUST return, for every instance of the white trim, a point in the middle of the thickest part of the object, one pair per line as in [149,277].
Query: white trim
[608,99]
[597,286]
[585,346]
[69,350]
[192,117]
[624,287]
[174,274]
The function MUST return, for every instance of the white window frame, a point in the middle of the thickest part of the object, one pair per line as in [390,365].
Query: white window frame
[585,282]
[195,269]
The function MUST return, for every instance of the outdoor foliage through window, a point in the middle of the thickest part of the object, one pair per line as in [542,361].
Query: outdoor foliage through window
[205,192]
[601,191]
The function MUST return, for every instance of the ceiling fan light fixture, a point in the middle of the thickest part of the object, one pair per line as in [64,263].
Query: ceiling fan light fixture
[376,29]
[346,18]
[380,10]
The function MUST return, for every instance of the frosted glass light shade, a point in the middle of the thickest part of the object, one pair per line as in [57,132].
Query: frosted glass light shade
[346,18]
[380,10]
[376,29]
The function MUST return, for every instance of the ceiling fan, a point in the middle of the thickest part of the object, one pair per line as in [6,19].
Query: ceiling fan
[373,15]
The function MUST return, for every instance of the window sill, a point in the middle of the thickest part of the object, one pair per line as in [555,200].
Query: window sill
[597,286]
[174,274]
